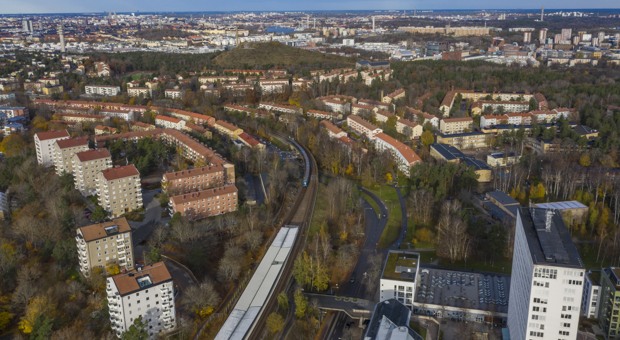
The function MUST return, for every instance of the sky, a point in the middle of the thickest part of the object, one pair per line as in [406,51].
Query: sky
[81,6]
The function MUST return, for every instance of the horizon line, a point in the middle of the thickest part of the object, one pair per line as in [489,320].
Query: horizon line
[316,10]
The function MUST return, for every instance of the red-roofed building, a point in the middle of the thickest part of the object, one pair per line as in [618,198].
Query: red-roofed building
[206,203]
[119,190]
[44,144]
[86,168]
[64,149]
[456,125]
[227,129]
[362,127]
[169,122]
[332,130]
[250,141]
[405,157]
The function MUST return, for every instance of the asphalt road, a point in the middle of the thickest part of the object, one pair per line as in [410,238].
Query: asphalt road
[374,228]
[152,217]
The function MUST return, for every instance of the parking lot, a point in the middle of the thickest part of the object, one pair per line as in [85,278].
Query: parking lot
[465,290]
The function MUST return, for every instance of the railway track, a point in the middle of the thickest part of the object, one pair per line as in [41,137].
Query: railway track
[300,215]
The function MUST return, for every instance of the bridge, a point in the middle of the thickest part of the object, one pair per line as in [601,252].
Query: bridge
[355,308]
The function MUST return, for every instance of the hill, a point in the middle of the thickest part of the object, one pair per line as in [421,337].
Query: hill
[273,54]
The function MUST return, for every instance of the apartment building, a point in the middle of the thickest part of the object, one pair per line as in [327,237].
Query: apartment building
[45,142]
[590,303]
[547,278]
[119,190]
[14,111]
[169,122]
[273,86]
[139,92]
[101,90]
[323,114]
[227,129]
[198,179]
[102,244]
[398,279]
[173,94]
[86,168]
[64,150]
[280,108]
[102,69]
[404,156]
[383,116]
[449,126]
[332,130]
[408,128]
[206,203]
[394,96]
[362,127]
[609,308]
[146,292]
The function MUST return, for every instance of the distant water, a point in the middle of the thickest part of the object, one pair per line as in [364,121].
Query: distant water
[279,30]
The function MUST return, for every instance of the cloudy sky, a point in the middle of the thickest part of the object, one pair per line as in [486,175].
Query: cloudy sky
[80,6]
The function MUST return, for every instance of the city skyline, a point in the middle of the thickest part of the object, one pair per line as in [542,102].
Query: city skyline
[77,6]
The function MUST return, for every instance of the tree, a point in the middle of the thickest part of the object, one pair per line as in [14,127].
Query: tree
[137,331]
[99,214]
[201,299]
[5,320]
[283,301]
[452,233]
[301,304]
[584,160]
[275,323]
[13,145]
[427,138]
[38,306]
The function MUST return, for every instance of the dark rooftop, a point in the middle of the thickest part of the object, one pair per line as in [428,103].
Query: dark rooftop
[397,313]
[448,152]
[548,239]
[501,197]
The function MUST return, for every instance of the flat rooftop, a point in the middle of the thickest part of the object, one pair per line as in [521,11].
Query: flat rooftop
[548,239]
[565,205]
[401,265]
[479,291]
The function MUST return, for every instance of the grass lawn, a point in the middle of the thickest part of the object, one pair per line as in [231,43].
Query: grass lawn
[388,195]
[418,328]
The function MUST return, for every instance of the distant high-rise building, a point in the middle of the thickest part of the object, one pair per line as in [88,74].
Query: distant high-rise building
[542,14]
[373,23]
[547,279]
[567,33]
[27,26]
[542,35]
[601,37]
[61,35]
[527,37]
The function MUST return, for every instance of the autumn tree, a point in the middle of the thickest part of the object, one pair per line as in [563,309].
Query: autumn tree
[201,299]
[137,331]
[301,304]
[13,145]
[275,323]
[452,233]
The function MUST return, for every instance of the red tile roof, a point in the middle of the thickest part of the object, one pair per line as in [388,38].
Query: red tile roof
[168,119]
[403,149]
[97,231]
[72,142]
[205,194]
[120,172]
[90,155]
[45,135]
[127,283]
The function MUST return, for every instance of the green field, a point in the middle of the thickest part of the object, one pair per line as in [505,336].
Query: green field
[319,216]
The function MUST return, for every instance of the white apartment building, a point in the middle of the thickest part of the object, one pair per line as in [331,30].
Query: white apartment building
[64,149]
[86,168]
[449,126]
[119,190]
[362,127]
[169,122]
[404,156]
[139,92]
[398,280]
[102,244]
[173,94]
[44,144]
[146,292]
[546,285]
[591,295]
[100,90]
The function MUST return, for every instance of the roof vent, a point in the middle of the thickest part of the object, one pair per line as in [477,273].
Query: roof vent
[548,219]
